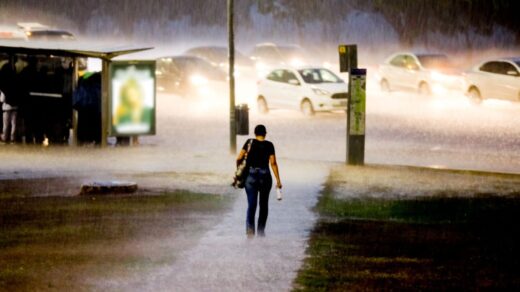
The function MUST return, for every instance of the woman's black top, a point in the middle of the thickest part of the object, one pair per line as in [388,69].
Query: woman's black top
[259,154]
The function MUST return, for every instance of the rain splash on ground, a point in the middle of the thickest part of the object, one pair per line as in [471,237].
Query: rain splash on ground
[190,151]
[224,259]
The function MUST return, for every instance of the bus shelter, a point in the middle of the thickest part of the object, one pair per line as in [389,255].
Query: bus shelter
[47,76]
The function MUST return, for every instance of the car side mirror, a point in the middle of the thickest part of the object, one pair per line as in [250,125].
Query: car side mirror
[294,82]
[512,73]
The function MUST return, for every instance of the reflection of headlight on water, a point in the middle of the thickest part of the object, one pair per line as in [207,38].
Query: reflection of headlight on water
[440,77]
[449,102]
[198,80]
[439,89]
[497,103]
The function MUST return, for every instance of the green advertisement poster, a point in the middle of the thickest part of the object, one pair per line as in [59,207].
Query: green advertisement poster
[357,104]
[132,98]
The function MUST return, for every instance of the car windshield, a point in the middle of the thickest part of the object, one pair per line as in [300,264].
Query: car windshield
[315,76]
[517,62]
[434,61]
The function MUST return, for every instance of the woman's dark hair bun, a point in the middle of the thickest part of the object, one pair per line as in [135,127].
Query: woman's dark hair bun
[260,130]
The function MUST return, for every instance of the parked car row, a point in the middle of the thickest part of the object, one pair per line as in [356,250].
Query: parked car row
[277,73]
[435,74]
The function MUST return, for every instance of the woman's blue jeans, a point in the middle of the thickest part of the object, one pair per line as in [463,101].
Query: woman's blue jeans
[258,185]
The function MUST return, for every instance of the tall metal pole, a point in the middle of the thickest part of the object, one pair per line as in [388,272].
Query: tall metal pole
[231,39]
[105,87]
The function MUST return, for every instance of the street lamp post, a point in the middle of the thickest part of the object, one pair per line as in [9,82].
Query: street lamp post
[231,47]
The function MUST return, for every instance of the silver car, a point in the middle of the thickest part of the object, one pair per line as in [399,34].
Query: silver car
[499,79]
[424,73]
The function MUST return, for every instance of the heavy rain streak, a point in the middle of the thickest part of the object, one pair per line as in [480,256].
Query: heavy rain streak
[442,91]
[444,127]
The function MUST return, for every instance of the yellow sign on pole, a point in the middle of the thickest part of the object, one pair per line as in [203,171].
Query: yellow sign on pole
[347,57]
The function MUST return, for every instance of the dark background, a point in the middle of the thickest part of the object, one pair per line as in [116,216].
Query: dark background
[409,18]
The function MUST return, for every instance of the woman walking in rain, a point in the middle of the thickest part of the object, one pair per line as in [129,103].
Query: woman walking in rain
[260,153]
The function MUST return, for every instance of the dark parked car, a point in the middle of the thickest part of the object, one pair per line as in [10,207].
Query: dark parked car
[189,76]
[39,32]
[268,56]
[218,56]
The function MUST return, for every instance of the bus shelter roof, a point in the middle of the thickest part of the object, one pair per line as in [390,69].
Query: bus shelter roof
[68,48]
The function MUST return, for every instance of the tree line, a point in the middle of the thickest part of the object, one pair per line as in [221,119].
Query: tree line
[410,18]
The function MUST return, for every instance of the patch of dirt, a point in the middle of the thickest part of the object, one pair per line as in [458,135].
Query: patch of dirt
[411,182]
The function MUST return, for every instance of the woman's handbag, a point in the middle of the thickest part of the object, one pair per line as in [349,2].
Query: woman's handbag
[239,180]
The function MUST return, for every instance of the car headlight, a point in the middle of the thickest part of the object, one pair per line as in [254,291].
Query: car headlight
[437,76]
[320,91]
[198,80]
[261,69]
[260,66]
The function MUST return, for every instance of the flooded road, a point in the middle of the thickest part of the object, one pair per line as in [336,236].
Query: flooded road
[402,129]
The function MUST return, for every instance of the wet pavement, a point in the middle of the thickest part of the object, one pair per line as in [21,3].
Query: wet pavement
[224,259]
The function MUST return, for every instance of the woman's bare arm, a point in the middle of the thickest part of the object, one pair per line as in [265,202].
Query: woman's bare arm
[274,167]
[241,156]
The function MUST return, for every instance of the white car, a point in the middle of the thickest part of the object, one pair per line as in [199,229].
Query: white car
[424,73]
[499,79]
[11,32]
[307,89]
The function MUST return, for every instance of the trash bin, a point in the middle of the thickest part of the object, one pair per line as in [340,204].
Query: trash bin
[242,119]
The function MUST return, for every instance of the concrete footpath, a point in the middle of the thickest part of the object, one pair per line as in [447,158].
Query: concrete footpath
[226,260]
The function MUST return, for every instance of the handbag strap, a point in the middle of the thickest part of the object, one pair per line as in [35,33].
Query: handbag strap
[248,148]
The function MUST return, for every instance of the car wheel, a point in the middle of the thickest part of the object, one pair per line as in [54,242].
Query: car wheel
[262,105]
[385,86]
[475,96]
[424,89]
[307,108]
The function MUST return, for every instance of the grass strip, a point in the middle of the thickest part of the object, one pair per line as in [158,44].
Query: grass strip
[431,244]
[57,242]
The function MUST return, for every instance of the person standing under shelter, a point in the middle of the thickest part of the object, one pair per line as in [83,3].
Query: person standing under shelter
[9,100]
[9,116]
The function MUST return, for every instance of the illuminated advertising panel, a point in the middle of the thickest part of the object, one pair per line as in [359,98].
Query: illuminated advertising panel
[132,98]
